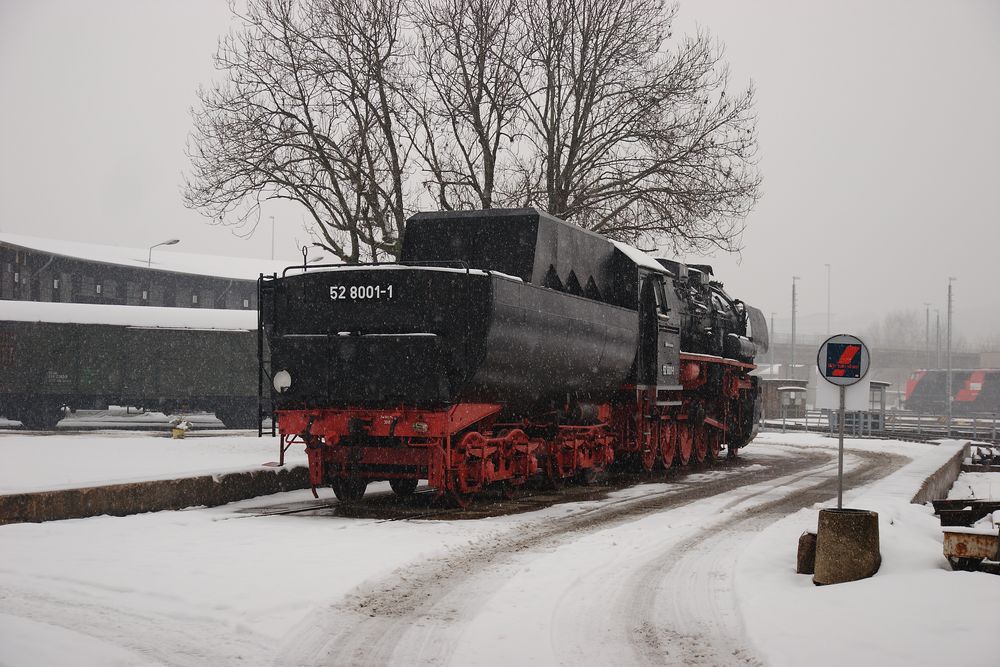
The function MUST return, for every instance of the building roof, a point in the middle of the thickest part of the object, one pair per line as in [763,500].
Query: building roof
[164,259]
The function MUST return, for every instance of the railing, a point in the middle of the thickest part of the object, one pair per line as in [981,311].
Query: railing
[982,427]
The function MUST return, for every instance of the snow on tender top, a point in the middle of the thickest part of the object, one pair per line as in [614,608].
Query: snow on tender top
[164,257]
[408,267]
[639,257]
[135,316]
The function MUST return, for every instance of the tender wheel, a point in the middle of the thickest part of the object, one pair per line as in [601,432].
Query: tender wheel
[349,490]
[591,476]
[403,487]
[553,473]
[509,490]
[461,500]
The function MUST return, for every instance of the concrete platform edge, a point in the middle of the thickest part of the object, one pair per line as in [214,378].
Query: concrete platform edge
[938,484]
[149,496]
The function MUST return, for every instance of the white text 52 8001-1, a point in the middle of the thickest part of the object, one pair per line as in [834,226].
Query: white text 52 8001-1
[360,292]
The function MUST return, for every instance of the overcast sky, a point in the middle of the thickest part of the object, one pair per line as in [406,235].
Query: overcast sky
[878,121]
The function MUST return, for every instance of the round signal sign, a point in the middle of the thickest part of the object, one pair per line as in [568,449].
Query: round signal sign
[843,359]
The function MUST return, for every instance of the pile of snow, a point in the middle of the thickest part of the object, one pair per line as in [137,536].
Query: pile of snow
[979,485]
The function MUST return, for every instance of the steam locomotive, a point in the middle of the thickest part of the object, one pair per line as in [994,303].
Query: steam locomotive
[506,344]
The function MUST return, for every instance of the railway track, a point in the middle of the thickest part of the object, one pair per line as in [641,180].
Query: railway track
[536,495]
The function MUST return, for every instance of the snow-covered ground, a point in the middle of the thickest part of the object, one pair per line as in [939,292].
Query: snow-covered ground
[979,485]
[915,611]
[34,462]
[698,569]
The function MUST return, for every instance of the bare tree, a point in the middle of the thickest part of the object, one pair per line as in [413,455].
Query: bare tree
[308,111]
[572,106]
[898,329]
[470,64]
[631,140]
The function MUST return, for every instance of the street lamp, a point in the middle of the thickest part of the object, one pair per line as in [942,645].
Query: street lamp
[149,260]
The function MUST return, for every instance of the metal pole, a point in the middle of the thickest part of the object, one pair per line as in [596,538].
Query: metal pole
[840,452]
[927,332]
[773,341]
[792,362]
[272,237]
[937,340]
[827,299]
[949,355]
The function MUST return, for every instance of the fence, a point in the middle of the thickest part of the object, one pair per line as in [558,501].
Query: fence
[983,427]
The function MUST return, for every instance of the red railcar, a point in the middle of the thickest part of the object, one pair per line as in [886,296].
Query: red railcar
[973,391]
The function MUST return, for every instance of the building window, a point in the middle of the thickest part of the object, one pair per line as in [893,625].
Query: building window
[246,303]
[55,283]
[194,299]
[17,277]
[97,288]
[145,295]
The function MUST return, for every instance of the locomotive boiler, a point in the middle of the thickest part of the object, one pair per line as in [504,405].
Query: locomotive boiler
[505,344]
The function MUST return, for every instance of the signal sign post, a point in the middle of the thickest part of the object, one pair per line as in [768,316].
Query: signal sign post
[842,360]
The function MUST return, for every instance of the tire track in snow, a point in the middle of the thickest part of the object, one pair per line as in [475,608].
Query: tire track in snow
[200,639]
[690,616]
[416,616]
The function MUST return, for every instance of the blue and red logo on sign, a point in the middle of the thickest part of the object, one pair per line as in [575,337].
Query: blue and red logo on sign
[843,360]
